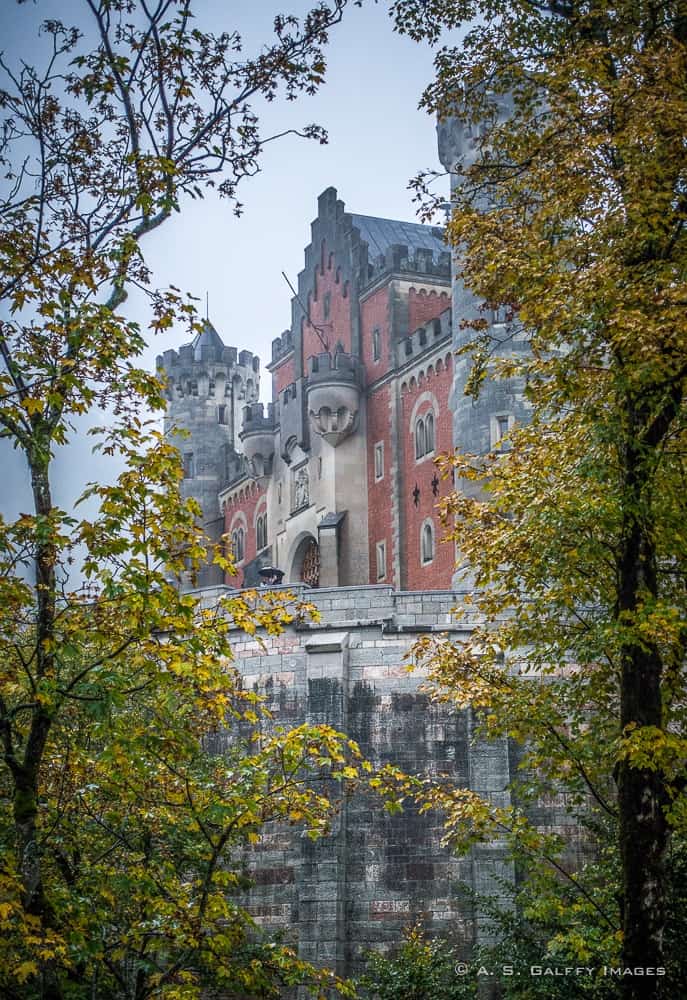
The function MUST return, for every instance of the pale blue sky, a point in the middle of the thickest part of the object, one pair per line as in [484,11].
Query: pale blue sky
[378,141]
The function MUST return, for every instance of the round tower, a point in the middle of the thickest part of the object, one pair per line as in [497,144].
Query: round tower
[208,384]
[479,425]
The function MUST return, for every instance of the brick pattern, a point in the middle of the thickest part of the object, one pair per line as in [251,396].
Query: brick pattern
[245,500]
[379,492]
[375,315]
[330,296]
[424,306]
[283,374]
[427,390]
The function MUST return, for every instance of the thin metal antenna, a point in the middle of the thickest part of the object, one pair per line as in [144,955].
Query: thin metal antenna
[207,306]
[318,329]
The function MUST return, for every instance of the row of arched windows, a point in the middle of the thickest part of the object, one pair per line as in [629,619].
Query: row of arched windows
[424,435]
[238,538]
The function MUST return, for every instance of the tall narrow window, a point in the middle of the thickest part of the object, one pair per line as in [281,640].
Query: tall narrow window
[500,426]
[189,465]
[379,461]
[429,433]
[237,544]
[376,346]
[380,550]
[420,444]
[327,304]
[221,414]
[427,542]
[261,531]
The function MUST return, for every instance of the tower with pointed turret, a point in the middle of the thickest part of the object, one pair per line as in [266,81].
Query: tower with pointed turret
[208,385]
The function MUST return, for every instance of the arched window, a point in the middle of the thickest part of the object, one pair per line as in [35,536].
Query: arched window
[261,531]
[427,542]
[237,544]
[420,443]
[376,348]
[429,433]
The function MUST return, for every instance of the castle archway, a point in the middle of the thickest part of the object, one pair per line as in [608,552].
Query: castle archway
[305,562]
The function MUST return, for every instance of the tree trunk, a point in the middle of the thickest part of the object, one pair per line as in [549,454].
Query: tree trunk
[27,773]
[641,792]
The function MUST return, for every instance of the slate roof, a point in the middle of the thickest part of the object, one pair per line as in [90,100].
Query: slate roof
[380,234]
[208,337]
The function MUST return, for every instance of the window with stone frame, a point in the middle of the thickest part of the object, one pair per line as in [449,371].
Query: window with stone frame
[376,345]
[261,532]
[189,465]
[238,544]
[424,435]
[380,551]
[420,444]
[429,433]
[427,543]
[379,461]
[501,424]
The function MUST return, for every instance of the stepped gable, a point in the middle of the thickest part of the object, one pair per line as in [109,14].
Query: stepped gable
[364,247]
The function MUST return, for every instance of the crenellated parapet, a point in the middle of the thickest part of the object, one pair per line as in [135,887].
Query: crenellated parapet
[257,436]
[416,261]
[210,374]
[282,346]
[425,338]
[335,383]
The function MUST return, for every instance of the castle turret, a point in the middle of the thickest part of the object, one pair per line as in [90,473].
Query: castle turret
[257,437]
[479,425]
[334,388]
[208,385]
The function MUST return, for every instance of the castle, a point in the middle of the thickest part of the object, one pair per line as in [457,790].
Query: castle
[333,485]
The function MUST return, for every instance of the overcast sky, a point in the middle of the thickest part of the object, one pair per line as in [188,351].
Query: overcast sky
[378,139]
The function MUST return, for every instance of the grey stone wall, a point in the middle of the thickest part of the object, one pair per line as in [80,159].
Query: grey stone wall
[375,873]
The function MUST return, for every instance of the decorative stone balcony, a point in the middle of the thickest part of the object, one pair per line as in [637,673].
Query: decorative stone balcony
[334,389]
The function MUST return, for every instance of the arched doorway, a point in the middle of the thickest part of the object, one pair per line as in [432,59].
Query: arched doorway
[305,567]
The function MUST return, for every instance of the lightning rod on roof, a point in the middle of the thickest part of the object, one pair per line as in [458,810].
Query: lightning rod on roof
[318,329]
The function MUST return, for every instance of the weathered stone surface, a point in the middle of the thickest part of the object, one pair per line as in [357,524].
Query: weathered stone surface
[375,873]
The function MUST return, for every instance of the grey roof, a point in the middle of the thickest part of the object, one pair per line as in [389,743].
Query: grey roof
[380,234]
[208,337]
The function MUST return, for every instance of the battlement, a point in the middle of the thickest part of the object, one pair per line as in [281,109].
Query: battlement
[337,367]
[237,468]
[400,258]
[208,368]
[424,338]
[190,357]
[281,346]
[249,360]
[289,394]
[255,420]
